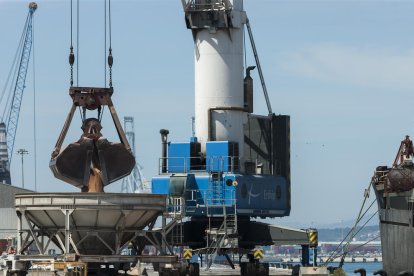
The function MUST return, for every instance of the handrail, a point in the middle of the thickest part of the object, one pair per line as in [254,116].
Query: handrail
[228,164]
[203,199]
[176,207]
[191,5]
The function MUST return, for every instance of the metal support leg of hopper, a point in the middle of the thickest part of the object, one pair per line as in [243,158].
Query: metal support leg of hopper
[229,261]
[20,233]
[67,213]
[164,236]
[315,256]
[67,232]
[305,255]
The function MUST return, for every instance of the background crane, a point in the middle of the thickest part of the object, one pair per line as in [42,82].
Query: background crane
[135,182]
[13,100]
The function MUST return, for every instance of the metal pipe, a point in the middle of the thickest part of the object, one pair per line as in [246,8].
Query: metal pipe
[248,90]
[259,68]
[164,141]
[222,108]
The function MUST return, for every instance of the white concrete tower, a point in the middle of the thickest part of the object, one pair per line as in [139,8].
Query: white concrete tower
[217,27]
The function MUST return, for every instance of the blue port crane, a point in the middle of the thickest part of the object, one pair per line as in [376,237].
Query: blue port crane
[14,98]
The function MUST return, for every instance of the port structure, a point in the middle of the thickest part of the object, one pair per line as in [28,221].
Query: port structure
[236,166]
[135,182]
[91,228]
[393,187]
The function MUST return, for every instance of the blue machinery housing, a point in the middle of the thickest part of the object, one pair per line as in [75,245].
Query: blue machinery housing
[217,184]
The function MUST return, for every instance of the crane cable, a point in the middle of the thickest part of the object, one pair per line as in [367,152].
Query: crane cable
[337,252]
[10,74]
[77,43]
[110,57]
[71,54]
[352,233]
[105,43]
[34,108]
[13,69]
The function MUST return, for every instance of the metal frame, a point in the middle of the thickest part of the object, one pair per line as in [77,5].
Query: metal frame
[31,231]
[211,160]
[63,236]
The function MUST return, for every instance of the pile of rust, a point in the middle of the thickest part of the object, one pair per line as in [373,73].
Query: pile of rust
[399,178]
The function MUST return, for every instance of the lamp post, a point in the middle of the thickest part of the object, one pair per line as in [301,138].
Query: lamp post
[22,152]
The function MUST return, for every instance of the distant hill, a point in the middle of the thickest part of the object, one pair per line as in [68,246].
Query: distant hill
[350,222]
[338,234]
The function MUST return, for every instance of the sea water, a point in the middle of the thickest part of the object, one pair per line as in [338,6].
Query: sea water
[369,267]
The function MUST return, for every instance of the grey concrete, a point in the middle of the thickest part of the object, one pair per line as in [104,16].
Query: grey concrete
[8,223]
[397,238]
[315,271]
[7,193]
[8,217]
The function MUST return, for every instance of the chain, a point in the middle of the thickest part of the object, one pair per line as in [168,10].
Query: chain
[110,57]
[110,62]
[71,54]
[71,62]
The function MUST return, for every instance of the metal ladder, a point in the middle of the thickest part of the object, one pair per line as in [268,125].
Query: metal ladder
[216,189]
[216,183]
[218,237]
[177,234]
[227,232]
[175,226]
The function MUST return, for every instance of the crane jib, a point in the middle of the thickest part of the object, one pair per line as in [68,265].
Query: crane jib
[13,117]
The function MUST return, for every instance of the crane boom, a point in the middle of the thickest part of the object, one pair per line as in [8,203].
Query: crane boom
[13,117]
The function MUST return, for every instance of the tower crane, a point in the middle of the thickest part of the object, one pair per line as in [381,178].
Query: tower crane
[8,125]
[135,182]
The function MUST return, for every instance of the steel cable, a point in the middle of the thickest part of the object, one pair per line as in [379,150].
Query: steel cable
[34,108]
[335,253]
[13,69]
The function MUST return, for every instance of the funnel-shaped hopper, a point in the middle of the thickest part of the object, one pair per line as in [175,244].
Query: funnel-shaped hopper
[99,223]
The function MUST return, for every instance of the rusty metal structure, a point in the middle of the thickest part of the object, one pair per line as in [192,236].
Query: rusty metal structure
[394,187]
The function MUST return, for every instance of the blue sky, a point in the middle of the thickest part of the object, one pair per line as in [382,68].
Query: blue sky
[343,71]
